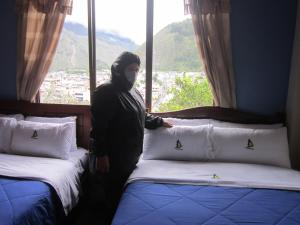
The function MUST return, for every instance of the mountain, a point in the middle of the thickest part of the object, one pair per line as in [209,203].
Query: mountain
[72,50]
[174,49]
[108,37]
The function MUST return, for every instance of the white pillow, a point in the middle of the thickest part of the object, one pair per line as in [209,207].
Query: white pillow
[18,117]
[258,146]
[187,122]
[177,143]
[70,119]
[6,129]
[218,123]
[42,139]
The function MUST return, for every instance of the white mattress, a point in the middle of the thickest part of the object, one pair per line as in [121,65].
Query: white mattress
[217,174]
[62,175]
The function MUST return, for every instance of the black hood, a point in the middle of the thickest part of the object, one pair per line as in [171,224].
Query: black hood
[117,70]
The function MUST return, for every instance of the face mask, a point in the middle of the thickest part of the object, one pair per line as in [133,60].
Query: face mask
[131,76]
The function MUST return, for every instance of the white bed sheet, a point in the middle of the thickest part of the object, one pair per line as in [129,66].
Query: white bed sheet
[62,175]
[217,174]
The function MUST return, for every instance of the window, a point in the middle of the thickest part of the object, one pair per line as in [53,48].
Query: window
[178,80]
[67,81]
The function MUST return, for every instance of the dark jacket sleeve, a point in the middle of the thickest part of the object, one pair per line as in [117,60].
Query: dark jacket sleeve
[103,109]
[153,122]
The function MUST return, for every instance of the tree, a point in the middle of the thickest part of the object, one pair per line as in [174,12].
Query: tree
[188,92]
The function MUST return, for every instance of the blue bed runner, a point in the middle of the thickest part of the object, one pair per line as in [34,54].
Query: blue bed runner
[170,204]
[24,202]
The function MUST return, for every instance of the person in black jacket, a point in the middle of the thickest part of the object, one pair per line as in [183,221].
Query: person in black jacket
[118,120]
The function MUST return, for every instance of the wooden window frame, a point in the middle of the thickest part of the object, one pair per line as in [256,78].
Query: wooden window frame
[149,54]
[92,46]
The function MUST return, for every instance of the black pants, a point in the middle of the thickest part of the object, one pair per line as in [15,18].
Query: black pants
[113,184]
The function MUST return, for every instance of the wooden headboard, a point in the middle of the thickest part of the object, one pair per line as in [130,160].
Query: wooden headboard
[224,114]
[84,118]
[82,112]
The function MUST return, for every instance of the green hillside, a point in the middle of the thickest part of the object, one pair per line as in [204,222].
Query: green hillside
[72,53]
[174,49]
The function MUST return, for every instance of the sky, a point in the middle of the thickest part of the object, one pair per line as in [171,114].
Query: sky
[128,17]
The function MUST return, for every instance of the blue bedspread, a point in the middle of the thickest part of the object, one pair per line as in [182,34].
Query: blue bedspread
[170,204]
[24,202]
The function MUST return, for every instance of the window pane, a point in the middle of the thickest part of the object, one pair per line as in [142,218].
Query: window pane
[67,81]
[179,80]
[121,26]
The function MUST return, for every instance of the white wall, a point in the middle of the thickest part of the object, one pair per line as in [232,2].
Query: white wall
[293,102]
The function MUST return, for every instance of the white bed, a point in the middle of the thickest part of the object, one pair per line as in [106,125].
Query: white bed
[216,174]
[209,193]
[62,175]
[233,182]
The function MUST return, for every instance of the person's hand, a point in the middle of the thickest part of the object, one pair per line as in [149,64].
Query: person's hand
[102,164]
[167,124]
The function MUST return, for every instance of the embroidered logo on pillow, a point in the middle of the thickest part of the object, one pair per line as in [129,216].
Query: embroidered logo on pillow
[178,146]
[250,145]
[215,176]
[34,135]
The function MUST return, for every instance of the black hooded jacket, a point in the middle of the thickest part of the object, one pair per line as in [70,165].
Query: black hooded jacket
[119,118]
